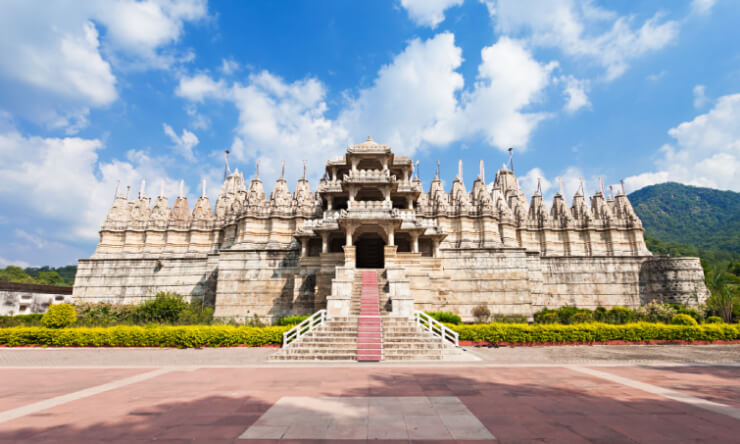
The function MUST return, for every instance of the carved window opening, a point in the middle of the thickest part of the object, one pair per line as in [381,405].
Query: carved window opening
[314,247]
[426,247]
[336,242]
[369,194]
[399,202]
[369,164]
[403,242]
[340,203]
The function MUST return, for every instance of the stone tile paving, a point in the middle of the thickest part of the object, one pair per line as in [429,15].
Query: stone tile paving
[552,404]
[362,417]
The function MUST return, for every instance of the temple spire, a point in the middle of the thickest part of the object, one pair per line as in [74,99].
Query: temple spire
[621,182]
[436,173]
[142,190]
[282,170]
[539,186]
[118,186]
[482,173]
[182,188]
[562,188]
[601,184]
[459,169]
[304,169]
[511,159]
[128,191]
[204,188]
[416,169]
[161,188]
[257,170]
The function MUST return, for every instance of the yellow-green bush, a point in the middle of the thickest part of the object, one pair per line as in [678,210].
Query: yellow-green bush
[683,319]
[136,336]
[594,332]
[59,316]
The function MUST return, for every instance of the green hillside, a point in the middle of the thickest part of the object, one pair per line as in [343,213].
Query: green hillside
[685,220]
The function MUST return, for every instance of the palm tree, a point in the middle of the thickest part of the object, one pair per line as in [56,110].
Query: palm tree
[721,300]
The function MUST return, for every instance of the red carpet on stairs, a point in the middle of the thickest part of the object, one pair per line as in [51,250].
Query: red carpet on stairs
[369,338]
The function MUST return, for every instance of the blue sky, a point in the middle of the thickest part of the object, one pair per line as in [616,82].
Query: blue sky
[92,93]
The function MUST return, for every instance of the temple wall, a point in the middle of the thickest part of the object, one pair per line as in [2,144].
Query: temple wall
[258,282]
[130,280]
[23,298]
[673,279]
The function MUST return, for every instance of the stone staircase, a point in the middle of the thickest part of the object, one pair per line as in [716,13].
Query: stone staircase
[369,334]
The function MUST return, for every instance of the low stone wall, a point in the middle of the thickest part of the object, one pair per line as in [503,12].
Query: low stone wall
[130,280]
[20,298]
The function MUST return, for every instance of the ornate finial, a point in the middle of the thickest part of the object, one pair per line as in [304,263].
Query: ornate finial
[582,188]
[128,190]
[118,186]
[204,188]
[459,169]
[142,191]
[436,174]
[304,169]
[601,184]
[282,170]
[369,138]
[416,169]
[257,169]
[511,159]
[161,188]
[227,170]
[182,188]
[482,173]
[611,191]
[539,186]
[562,188]
[621,182]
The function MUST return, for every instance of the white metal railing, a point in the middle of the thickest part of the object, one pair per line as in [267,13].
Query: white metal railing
[436,328]
[309,324]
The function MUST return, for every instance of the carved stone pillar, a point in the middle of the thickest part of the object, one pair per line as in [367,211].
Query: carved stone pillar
[389,254]
[324,242]
[329,203]
[414,242]
[304,246]
[349,256]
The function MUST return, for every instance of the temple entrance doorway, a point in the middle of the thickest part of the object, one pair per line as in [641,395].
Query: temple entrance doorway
[369,251]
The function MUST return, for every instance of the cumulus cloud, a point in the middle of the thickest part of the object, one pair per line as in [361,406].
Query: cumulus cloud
[700,96]
[229,66]
[581,29]
[77,204]
[183,145]
[706,151]
[62,67]
[702,6]
[428,12]
[416,100]
[575,93]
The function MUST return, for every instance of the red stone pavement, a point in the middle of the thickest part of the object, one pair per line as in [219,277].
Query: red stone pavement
[522,404]
[369,340]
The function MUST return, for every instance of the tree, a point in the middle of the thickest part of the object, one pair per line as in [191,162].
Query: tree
[721,300]
[50,278]
[14,274]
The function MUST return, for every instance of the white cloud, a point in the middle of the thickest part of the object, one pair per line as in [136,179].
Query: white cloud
[428,12]
[78,202]
[528,182]
[581,29]
[183,144]
[575,93]
[412,102]
[62,67]
[702,6]
[413,99]
[707,151]
[229,66]
[5,262]
[700,97]
[509,80]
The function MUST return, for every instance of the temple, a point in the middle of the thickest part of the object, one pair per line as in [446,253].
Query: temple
[299,252]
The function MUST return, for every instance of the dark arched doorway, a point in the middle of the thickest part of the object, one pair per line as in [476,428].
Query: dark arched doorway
[369,251]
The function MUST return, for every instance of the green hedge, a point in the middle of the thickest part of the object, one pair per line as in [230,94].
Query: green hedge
[136,336]
[594,332]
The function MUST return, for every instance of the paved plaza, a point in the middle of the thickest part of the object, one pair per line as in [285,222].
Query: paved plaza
[548,394]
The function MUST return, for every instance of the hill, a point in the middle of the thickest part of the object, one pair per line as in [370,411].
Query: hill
[687,220]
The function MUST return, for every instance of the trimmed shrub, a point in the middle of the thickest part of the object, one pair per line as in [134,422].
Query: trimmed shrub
[445,316]
[579,318]
[594,332]
[619,315]
[655,312]
[103,314]
[683,319]
[714,320]
[481,313]
[292,320]
[138,336]
[600,314]
[548,318]
[59,316]
[165,308]
[510,319]
[25,320]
